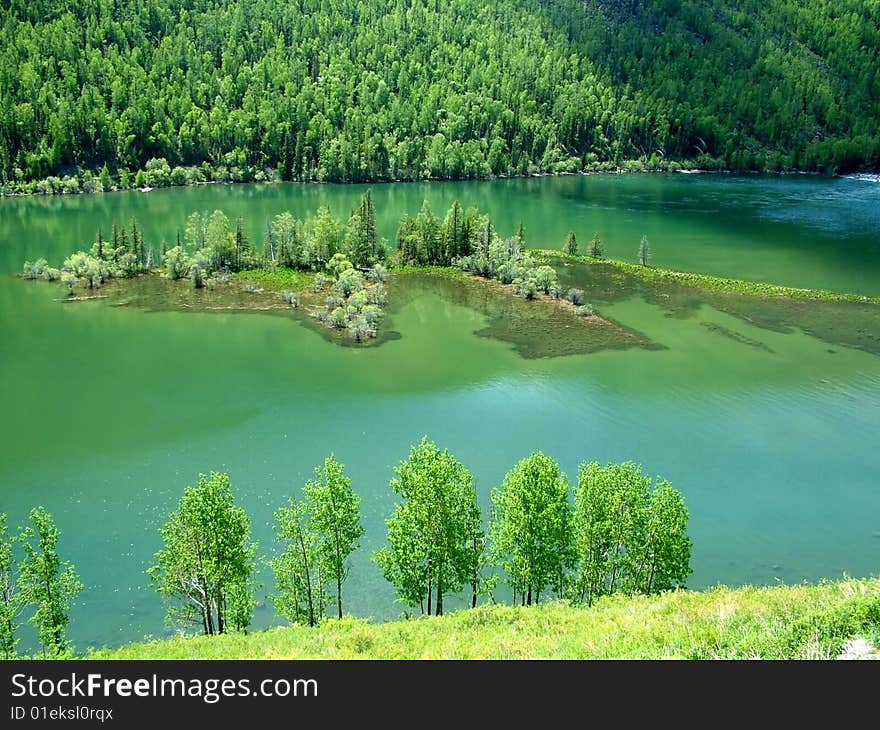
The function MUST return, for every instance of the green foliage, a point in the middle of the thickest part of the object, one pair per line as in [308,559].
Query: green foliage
[570,247]
[595,250]
[338,263]
[301,92]
[319,533]
[284,242]
[354,306]
[176,263]
[349,282]
[277,279]
[38,269]
[334,514]
[505,260]
[106,182]
[531,528]
[219,237]
[378,273]
[48,582]
[545,278]
[197,230]
[361,242]
[378,90]
[433,530]
[630,538]
[207,560]
[322,234]
[11,598]
[299,584]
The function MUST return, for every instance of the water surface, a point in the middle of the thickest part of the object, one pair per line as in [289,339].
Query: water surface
[770,433]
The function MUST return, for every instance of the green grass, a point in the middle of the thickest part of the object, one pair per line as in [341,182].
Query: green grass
[782,622]
[278,279]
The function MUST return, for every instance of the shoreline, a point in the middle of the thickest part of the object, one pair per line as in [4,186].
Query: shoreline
[630,168]
[810,620]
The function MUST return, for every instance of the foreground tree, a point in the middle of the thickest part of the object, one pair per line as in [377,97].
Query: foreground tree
[10,596]
[595,250]
[299,585]
[335,517]
[207,561]
[630,538]
[570,247]
[434,533]
[531,528]
[47,582]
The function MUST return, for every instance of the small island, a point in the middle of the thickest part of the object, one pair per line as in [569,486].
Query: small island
[337,274]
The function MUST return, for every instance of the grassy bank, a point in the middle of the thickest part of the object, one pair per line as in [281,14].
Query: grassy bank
[783,622]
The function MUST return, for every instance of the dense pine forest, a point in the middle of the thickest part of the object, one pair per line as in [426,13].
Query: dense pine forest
[173,91]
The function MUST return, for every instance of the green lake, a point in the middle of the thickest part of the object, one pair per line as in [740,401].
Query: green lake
[770,432]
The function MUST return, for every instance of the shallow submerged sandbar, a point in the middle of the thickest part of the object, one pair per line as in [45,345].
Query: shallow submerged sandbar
[543,327]
[847,320]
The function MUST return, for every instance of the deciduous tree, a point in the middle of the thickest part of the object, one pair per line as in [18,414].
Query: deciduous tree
[11,601]
[335,517]
[47,581]
[630,538]
[431,532]
[207,560]
[531,528]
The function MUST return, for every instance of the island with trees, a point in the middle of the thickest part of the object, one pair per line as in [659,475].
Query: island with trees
[341,279]
[337,274]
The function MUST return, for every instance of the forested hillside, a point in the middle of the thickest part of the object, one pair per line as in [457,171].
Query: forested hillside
[349,90]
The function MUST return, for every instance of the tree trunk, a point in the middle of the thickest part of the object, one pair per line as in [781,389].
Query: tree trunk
[476,578]
[651,577]
[430,591]
[339,595]
[439,610]
[308,573]
[614,568]
[529,597]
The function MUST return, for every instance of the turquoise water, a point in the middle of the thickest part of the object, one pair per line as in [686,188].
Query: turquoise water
[110,412]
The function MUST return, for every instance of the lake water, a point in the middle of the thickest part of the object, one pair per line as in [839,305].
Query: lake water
[771,435]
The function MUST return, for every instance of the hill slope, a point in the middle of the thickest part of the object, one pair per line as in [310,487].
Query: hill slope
[405,89]
[779,622]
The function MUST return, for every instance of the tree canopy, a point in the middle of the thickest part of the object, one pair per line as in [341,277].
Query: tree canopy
[531,529]
[159,92]
[434,533]
[207,560]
